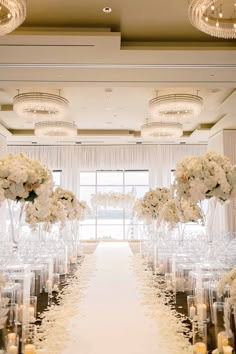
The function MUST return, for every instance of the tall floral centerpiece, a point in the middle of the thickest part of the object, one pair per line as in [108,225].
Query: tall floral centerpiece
[206,176]
[51,212]
[148,207]
[177,212]
[22,180]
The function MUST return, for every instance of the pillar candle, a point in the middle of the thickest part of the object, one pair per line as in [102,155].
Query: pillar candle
[192,312]
[222,340]
[12,350]
[11,337]
[202,312]
[20,313]
[30,349]
[227,349]
[200,348]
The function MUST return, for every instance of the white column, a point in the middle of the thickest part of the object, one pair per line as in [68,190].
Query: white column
[224,142]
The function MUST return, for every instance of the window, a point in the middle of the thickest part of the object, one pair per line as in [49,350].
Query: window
[56,175]
[111,223]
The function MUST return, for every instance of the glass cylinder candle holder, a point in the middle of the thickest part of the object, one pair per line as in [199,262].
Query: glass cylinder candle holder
[218,315]
[12,343]
[192,306]
[56,282]
[169,284]
[202,304]
[32,309]
[28,336]
[199,337]
[222,341]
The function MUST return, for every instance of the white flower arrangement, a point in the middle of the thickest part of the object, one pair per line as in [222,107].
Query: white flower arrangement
[112,200]
[230,280]
[82,210]
[180,210]
[69,201]
[205,176]
[148,207]
[23,179]
[51,212]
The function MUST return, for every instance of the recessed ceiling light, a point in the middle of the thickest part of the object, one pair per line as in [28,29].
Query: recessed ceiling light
[107,10]
[108,122]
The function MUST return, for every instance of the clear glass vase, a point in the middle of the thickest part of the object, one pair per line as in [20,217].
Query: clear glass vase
[15,212]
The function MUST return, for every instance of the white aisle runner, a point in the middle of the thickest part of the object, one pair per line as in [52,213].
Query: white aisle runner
[111,319]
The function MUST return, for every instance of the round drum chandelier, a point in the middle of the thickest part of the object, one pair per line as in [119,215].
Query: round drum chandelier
[176,106]
[55,128]
[12,15]
[161,130]
[40,105]
[214,17]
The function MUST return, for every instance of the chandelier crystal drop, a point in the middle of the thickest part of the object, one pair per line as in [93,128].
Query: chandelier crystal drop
[161,130]
[55,128]
[12,15]
[214,17]
[40,105]
[176,106]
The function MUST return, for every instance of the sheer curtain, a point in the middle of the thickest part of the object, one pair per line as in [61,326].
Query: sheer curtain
[158,159]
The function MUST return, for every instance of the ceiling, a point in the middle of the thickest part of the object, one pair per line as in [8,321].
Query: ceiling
[110,65]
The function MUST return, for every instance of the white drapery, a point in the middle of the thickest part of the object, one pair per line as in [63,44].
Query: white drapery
[158,159]
[224,143]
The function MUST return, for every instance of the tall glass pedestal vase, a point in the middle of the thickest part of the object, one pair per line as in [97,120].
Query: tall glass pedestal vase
[15,211]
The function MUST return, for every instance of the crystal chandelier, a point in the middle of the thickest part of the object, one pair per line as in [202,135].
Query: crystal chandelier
[214,17]
[176,106]
[161,130]
[40,105]
[55,128]
[12,15]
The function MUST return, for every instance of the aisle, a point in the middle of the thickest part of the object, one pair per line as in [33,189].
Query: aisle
[111,319]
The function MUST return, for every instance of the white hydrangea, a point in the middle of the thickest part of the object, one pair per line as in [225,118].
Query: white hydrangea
[23,179]
[205,176]
[148,207]
[180,210]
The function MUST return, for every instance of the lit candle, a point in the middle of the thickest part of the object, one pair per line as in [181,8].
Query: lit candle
[222,341]
[227,349]
[49,285]
[11,337]
[12,349]
[192,312]
[31,313]
[20,313]
[30,349]
[215,351]
[202,312]
[200,348]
